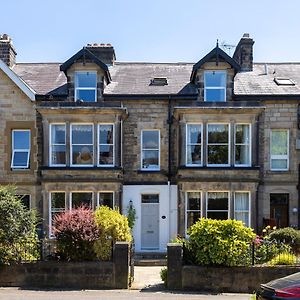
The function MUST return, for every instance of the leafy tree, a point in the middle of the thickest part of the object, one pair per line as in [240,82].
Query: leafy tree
[18,238]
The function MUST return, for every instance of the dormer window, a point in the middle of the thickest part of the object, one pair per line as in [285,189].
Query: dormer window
[215,86]
[86,86]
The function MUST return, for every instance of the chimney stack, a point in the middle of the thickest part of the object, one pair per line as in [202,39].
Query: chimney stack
[7,51]
[105,52]
[243,53]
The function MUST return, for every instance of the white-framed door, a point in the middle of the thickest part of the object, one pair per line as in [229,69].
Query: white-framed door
[150,221]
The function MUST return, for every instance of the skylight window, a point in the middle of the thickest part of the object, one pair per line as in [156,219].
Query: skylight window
[283,81]
[159,81]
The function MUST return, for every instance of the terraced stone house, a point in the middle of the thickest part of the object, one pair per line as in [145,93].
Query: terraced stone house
[177,141]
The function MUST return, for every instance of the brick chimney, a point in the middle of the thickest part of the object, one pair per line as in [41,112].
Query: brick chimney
[7,51]
[105,52]
[243,53]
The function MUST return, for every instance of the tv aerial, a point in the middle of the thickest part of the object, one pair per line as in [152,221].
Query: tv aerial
[227,47]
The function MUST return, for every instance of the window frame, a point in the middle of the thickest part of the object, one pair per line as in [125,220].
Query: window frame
[76,88]
[242,211]
[80,192]
[192,210]
[99,145]
[250,145]
[105,192]
[71,145]
[51,145]
[50,209]
[228,144]
[20,150]
[280,157]
[142,151]
[190,144]
[229,208]
[216,87]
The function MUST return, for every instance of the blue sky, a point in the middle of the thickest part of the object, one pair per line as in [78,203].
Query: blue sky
[155,31]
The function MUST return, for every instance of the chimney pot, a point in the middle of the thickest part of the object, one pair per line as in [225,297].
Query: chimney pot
[7,50]
[243,53]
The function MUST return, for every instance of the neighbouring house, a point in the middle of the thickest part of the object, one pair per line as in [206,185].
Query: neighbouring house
[177,141]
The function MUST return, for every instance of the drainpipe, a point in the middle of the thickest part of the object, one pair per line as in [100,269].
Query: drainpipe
[298,187]
[169,160]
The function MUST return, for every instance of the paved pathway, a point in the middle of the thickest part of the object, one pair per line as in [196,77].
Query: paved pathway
[147,277]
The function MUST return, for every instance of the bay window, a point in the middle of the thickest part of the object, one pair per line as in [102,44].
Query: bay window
[86,86]
[242,207]
[242,145]
[20,149]
[106,145]
[82,144]
[81,199]
[218,144]
[150,158]
[194,144]
[217,205]
[58,145]
[279,150]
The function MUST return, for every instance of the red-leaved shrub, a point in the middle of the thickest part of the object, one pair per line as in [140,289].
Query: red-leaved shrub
[76,232]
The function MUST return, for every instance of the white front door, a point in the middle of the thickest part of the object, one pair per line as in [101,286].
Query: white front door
[150,221]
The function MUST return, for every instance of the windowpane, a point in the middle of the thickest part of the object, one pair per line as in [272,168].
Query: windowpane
[106,134]
[242,207]
[215,95]
[106,155]
[194,134]
[242,155]
[79,199]
[150,198]
[150,159]
[193,201]
[194,155]
[217,133]
[58,132]
[217,201]
[106,146]
[279,142]
[87,79]
[57,206]
[82,134]
[82,155]
[21,139]
[279,164]
[86,95]
[20,159]
[25,200]
[242,134]
[106,199]
[217,155]
[58,155]
[217,215]
[194,147]
[191,218]
[215,79]
[150,139]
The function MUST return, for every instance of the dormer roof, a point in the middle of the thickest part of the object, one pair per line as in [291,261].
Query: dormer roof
[85,53]
[218,54]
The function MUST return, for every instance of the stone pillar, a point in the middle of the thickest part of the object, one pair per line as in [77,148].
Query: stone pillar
[121,264]
[175,259]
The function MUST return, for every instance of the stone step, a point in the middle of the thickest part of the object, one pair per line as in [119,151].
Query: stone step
[150,262]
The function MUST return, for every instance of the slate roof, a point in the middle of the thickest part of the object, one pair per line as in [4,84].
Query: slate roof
[135,78]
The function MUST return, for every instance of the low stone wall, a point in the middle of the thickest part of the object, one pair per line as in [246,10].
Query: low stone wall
[74,275]
[219,279]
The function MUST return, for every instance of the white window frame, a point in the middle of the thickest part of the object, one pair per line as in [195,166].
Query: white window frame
[51,145]
[228,211]
[80,192]
[282,157]
[215,87]
[71,145]
[238,144]
[243,211]
[192,210]
[50,209]
[158,167]
[20,150]
[191,144]
[98,145]
[84,88]
[220,144]
[105,192]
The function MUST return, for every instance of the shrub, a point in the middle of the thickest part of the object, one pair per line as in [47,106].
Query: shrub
[220,242]
[76,233]
[18,238]
[285,258]
[287,235]
[112,227]
[164,275]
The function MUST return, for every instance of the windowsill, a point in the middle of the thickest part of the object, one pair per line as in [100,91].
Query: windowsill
[79,168]
[218,168]
[149,171]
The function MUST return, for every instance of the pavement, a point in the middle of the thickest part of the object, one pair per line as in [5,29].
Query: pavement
[147,285]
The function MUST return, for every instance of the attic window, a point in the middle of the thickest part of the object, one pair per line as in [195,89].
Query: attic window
[159,81]
[283,81]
